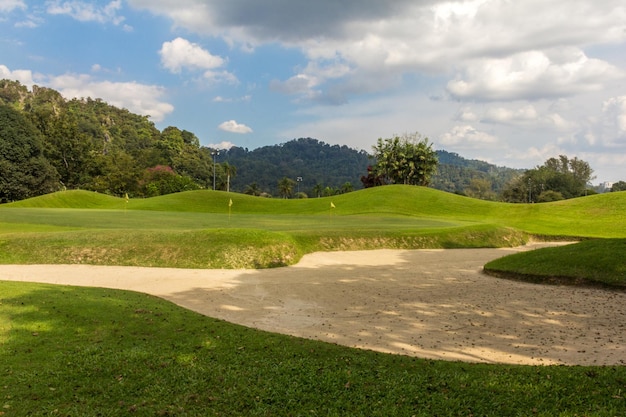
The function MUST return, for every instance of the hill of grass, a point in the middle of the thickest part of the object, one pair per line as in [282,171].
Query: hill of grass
[202,229]
[602,215]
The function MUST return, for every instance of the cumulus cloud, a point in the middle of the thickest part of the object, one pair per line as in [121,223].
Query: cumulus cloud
[10,5]
[533,75]
[615,110]
[477,39]
[233,127]
[466,136]
[87,12]
[222,145]
[138,98]
[23,76]
[180,54]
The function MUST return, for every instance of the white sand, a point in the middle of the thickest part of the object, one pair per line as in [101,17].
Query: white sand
[425,303]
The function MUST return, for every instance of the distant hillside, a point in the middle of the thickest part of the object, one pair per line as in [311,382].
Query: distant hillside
[88,144]
[456,174]
[315,162]
[333,166]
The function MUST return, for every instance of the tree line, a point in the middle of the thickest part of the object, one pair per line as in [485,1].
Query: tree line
[48,143]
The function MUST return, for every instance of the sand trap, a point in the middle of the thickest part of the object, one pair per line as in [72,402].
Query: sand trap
[425,303]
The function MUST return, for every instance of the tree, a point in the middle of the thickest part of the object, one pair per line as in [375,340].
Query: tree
[567,178]
[317,189]
[347,188]
[24,171]
[407,159]
[480,188]
[285,187]
[619,186]
[253,189]
[229,170]
[372,179]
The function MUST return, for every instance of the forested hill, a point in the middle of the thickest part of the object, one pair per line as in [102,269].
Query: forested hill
[49,143]
[330,169]
[471,177]
[319,166]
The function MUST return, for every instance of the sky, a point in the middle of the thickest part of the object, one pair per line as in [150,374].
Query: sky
[509,82]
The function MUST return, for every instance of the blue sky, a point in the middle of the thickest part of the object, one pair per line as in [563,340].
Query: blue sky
[509,82]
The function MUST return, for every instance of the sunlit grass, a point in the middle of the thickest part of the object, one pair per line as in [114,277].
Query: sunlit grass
[193,229]
[95,352]
[599,262]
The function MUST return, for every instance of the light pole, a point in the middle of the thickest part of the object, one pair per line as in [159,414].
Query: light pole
[214,153]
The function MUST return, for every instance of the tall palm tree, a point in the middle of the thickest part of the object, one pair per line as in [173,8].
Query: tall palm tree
[253,189]
[285,187]
[317,190]
[229,170]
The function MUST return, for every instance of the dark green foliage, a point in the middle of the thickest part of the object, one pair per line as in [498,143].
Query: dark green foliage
[458,175]
[24,171]
[316,162]
[558,178]
[407,160]
[619,186]
[96,146]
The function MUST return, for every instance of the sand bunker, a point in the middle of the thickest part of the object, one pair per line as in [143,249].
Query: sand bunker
[426,303]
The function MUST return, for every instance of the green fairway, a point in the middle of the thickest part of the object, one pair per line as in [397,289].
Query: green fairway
[202,229]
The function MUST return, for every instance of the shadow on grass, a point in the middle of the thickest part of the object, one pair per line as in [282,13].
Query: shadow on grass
[93,352]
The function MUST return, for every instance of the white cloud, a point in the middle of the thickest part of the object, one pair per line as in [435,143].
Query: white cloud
[87,12]
[533,75]
[467,136]
[615,111]
[528,116]
[180,54]
[243,99]
[498,49]
[25,77]
[138,98]
[10,5]
[233,127]
[222,145]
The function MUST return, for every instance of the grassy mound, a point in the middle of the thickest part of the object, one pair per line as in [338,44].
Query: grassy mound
[600,262]
[202,229]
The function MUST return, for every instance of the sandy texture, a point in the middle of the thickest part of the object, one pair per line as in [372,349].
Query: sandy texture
[426,303]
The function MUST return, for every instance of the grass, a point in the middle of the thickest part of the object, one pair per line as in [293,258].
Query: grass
[71,351]
[96,352]
[195,230]
[599,262]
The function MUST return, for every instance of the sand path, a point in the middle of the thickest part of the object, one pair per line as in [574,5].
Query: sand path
[425,303]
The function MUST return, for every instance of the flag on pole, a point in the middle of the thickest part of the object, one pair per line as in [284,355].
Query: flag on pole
[126,196]
[230,203]
[332,205]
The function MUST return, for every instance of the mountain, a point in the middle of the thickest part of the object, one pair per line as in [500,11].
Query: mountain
[315,163]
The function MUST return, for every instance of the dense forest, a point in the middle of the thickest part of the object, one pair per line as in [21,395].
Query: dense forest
[49,143]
